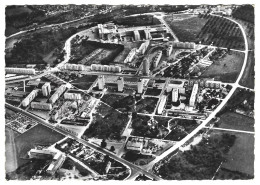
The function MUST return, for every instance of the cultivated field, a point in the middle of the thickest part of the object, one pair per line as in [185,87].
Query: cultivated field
[231,120]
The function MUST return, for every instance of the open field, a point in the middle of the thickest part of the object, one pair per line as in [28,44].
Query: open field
[185,27]
[231,120]
[38,135]
[84,82]
[240,157]
[226,69]
[248,77]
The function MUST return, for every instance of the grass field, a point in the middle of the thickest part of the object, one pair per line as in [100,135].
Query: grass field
[248,77]
[84,82]
[241,155]
[185,27]
[231,120]
[226,69]
[38,135]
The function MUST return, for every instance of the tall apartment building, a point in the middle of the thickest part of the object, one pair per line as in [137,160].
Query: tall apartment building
[140,86]
[120,84]
[146,66]
[194,95]
[175,95]
[136,35]
[101,82]
[46,89]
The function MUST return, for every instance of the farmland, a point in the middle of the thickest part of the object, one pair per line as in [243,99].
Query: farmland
[186,27]
[231,120]
[226,69]
[222,32]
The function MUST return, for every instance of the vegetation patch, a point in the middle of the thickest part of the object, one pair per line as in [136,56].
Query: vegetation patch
[227,68]
[107,123]
[200,162]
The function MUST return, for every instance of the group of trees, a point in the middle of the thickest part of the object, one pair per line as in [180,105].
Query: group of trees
[108,126]
[244,12]
[141,20]
[201,161]
[33,48]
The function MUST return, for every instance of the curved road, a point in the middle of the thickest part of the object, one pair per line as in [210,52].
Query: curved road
[135,170]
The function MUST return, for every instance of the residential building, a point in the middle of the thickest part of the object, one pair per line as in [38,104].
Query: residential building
[175,95]
[194,95]
[120,84]
[101,82]
[46,89]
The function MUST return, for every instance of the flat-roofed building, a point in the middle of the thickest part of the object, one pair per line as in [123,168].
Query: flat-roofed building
[41,105]
[136,35]
[101,82]
[194,95]
[120,84]
[161,104]
[46,89]
[146,66]
[175,95]
[140,86]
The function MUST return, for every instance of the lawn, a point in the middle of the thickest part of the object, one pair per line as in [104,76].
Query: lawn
[248,77]
[186,28]
[240,157]
[107,123]
[226,69]
[38,135]
[84,82]
[231,120]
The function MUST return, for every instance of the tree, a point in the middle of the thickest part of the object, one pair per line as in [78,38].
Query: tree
[112,149]
[103,143]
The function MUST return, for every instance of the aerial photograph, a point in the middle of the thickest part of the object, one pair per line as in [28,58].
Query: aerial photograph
[129,92]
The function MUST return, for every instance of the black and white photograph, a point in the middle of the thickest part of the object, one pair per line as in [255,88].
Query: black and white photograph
[129,92]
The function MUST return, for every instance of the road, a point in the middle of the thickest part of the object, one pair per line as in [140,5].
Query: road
[48,26]
[213,114]
[135,170]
